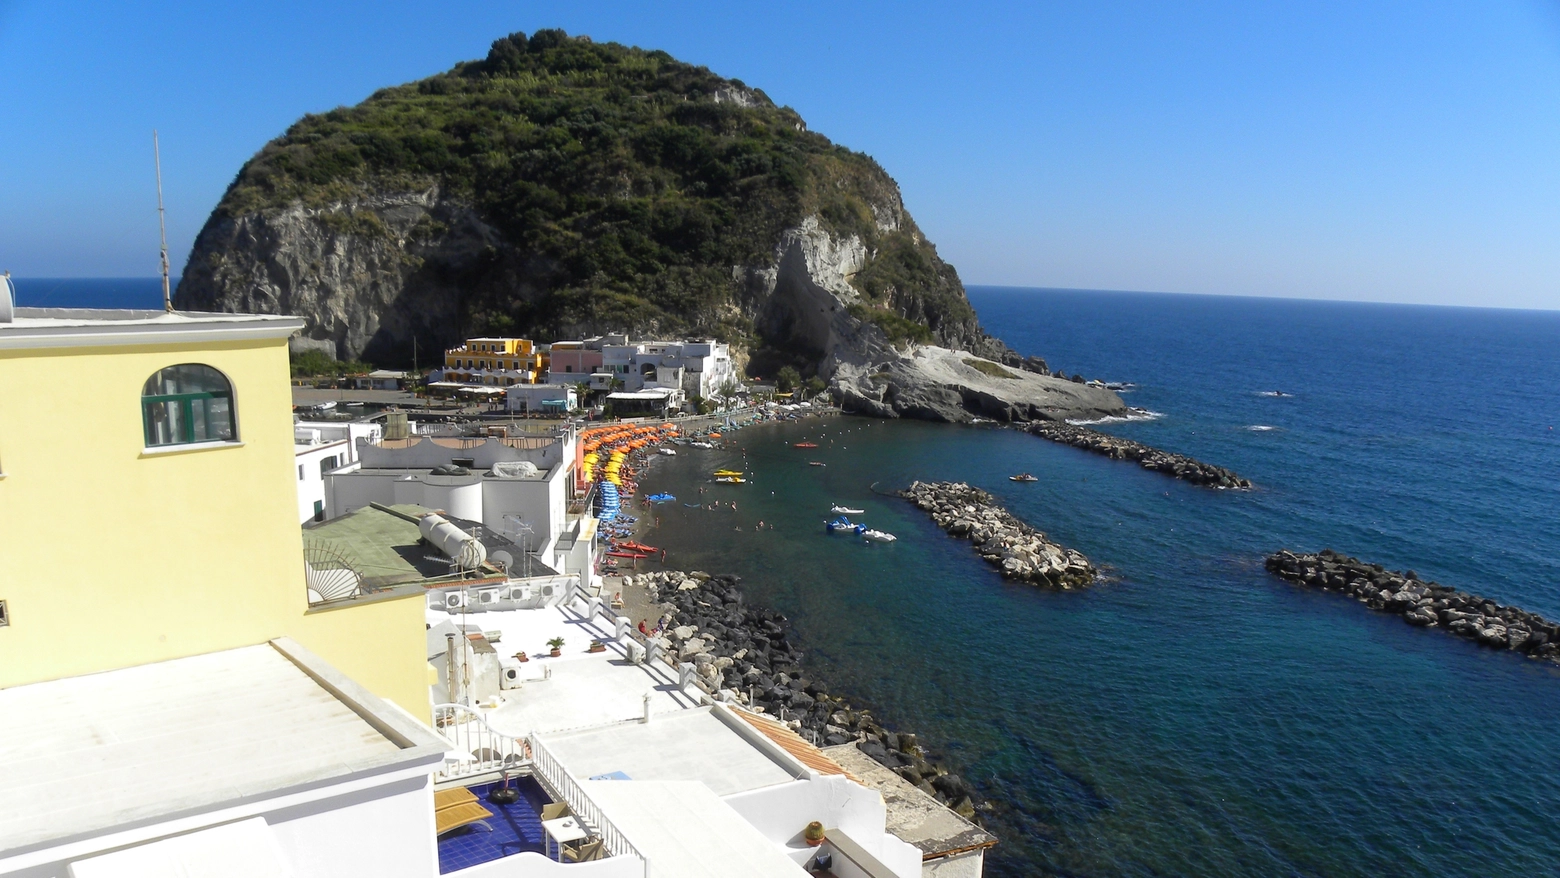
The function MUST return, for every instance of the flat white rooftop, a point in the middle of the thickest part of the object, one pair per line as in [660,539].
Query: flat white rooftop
[73,327]
[581,689]
[96,752]
[693,745]
[686,830]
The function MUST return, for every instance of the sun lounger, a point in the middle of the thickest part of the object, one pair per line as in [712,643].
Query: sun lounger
[453,796]
[456,816]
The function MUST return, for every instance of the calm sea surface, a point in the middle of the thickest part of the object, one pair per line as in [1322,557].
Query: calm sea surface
[1193,716]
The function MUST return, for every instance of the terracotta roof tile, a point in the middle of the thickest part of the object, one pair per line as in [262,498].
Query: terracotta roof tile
[794,744]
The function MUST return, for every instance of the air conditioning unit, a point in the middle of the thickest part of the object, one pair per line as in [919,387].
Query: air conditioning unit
[547,591]
[636,652]
[519,592]
[487,596]
[509,678]
[454,600]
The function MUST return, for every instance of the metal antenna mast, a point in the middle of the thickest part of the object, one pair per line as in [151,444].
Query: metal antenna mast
[162,226]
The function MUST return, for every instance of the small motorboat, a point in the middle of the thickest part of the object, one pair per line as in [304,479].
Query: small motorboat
[731,480]
[727,472]
[816,463]
[668,451]
[805,445]
[846,510]
[701,445]
[878,536]
[844,525]
[1023,477]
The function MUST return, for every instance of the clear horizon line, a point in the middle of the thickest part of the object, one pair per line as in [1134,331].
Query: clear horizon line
[1110,291]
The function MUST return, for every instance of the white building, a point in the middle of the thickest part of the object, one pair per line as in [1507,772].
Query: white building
[695,368]
[256,762]
[523,488]
[322,446]
[544,398]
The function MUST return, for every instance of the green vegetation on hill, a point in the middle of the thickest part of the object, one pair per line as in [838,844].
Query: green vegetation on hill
[625,185]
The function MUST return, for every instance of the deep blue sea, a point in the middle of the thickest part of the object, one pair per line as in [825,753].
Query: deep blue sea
[1194,716]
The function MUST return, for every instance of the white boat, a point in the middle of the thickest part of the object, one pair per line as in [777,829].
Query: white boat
[701,445]
[846,510]
[878,536]
[669,451]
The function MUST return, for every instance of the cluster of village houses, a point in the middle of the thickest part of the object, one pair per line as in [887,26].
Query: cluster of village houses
[634,377]
[340,648]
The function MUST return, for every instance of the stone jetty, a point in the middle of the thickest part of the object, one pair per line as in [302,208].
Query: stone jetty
[1171,464]
[1426,604]
[746,654]
[1020,551]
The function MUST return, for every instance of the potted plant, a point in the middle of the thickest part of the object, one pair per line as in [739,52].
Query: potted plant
[557,646]
[597,646]
[813,834]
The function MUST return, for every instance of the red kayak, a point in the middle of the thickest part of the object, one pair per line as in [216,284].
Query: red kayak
[638,547]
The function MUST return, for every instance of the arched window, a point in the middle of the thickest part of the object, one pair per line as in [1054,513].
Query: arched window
[188,403]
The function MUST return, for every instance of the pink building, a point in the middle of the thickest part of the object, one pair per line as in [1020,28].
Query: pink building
[571,358]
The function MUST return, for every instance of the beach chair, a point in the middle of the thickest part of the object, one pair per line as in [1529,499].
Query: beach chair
[590,850]
[451,797]
[465,814]
[555,810]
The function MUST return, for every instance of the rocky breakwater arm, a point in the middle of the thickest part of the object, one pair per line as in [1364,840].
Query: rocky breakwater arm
[1426,604]
[1018,549]
[746,652]
[1171,464]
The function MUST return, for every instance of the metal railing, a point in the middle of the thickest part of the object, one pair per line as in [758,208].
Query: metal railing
[469,733]
[563,787]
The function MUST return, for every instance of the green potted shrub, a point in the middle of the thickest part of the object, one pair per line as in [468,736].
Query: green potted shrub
[557,646]
[597,646]
[813,834]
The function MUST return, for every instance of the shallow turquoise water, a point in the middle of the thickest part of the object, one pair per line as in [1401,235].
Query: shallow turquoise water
[1194,716]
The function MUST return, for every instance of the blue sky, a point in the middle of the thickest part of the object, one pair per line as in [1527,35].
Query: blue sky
[1364,150]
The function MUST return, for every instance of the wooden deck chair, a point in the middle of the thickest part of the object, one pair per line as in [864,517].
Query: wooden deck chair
[456,816]
[555,810]
[451,797]
[590,850]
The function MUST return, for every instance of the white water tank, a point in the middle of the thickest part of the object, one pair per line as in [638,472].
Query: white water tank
[459,500]
[7,298]
[464,549]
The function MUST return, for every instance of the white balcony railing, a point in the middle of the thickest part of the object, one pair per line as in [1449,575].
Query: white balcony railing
[471,736]
[562,786]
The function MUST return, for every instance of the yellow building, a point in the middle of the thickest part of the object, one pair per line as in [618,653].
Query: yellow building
[148,508]
[495,361]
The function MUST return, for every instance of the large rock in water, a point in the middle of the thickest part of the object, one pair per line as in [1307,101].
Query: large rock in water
[516,196]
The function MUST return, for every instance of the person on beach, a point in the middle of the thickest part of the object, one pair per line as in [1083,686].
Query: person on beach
[643,628]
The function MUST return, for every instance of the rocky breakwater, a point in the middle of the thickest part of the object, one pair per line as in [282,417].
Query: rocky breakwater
[1171,464]
[1006,542]
[1426,604]
[745,654]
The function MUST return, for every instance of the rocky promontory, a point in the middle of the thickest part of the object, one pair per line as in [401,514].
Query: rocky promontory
[1020,551]
[1116,448]
[746,653]
[1425,604]
[520,195]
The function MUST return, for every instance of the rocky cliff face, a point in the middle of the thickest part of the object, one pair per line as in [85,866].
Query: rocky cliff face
[516,196]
